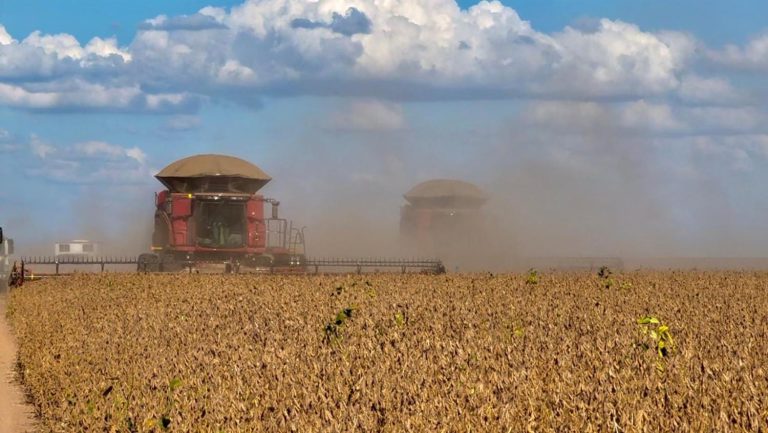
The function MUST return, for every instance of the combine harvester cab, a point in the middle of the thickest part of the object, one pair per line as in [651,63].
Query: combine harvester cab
[211,217]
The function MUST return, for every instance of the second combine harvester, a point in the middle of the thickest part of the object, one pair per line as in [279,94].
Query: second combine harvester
[211,215]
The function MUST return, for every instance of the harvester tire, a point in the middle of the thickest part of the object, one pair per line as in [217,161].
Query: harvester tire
[262,261]
[148,263]
[168,263]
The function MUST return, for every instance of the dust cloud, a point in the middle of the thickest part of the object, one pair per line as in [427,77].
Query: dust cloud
[574,183]
[117,218]
[120,220]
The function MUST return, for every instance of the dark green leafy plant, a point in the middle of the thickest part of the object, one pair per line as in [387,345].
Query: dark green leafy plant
[333,328]
[533,277]
[660,336]
[164,422]
[400,319]
[604,272]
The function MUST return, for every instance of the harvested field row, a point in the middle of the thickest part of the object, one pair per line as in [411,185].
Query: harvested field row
[392,353]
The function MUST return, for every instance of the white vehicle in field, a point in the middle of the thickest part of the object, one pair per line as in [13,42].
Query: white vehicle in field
[76,249]
[6,249]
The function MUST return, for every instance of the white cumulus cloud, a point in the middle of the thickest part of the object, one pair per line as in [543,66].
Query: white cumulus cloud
[94,161]
[394,49]
[754,55]
[5,37]
[40,148]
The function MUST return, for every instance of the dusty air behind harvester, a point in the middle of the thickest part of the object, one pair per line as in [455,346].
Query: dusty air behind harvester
[211,214]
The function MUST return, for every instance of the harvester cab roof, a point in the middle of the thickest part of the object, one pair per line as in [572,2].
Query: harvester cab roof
[446,194]
[213,174]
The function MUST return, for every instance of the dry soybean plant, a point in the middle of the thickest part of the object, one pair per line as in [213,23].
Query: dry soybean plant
[395,353]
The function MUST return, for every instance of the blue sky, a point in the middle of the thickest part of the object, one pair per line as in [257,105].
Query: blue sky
[622,127]
[714,21]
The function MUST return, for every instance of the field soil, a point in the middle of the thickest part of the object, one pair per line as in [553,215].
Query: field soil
[15,414]
[554,352]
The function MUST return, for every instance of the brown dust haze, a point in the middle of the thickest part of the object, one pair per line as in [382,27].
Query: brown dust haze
[575,184]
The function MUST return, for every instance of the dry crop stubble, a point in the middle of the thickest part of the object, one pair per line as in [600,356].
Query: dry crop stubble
[132,352]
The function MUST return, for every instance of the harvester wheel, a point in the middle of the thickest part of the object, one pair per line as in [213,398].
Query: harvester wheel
[232,267]
[149,263]
[16,278]
[262,261]
[168,263]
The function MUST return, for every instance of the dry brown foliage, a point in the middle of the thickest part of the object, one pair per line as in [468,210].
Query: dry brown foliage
[412,353]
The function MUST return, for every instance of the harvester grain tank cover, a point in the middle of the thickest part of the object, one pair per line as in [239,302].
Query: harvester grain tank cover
[446,193]
[213,173]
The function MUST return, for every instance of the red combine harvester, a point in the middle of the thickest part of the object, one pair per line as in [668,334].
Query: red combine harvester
[211,215]
[444,217]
